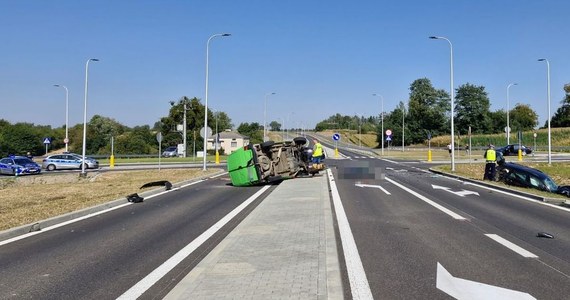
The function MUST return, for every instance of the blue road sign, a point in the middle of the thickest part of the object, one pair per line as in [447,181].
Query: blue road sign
[47,141]
[388,138]
[336,136]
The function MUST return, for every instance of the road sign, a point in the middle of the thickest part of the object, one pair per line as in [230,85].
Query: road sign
[336,136]
[47,141]
[205,133]
[388,138]
[507,129]
[159,137]
[429,136]
[388,132]
[66,141]
[534,134]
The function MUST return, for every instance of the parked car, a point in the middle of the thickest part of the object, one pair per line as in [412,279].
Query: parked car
[68,161]
[171,151]
[513,149]
[19,165]
[523,176]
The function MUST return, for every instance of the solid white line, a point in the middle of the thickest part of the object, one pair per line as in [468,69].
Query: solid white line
[519,196]
[359,286]
[143,285]
[23,236]
[511,246]
[191,183]
[215,176]
[428,201]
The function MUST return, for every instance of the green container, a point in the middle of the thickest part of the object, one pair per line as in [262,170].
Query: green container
[242,166]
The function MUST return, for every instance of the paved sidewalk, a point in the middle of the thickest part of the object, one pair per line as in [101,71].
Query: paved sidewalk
[285,249]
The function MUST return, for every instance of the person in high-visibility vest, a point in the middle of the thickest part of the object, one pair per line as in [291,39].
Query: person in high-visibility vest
[317,151]
[491,158]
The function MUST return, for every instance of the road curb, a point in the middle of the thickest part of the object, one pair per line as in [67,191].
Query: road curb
[37,226]
[504,189]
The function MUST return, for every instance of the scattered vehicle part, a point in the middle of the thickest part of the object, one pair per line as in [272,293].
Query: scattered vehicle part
[135,198]
[164,183]
[544,235]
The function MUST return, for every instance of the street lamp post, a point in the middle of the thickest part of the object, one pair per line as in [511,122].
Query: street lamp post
[66,115]
[265,117]
[85,116]
[381,118]
[184,129]
[548,95]
[403,127]
[508,129]
[452,99]
[206,100]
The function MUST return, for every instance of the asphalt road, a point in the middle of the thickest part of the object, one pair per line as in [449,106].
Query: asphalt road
[410,227]
[103,256]
[402,238]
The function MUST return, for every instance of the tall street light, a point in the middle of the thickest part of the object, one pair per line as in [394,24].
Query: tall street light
[452,99]
[66,141]
[85,116]
[206,101]
[548,93]
[508,129]
[382,118]
[265,117]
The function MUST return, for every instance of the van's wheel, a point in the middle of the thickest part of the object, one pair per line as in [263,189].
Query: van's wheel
[50,167]
[299,141]
[267,145]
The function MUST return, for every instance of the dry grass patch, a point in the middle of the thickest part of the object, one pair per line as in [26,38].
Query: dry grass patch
[29,199]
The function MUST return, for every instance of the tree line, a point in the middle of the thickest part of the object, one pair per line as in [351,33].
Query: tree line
[427,113]
[104,133]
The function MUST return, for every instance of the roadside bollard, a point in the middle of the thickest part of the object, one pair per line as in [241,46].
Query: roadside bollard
[520,154]
[429,155]
[112,161]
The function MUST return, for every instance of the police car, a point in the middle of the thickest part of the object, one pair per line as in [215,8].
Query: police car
[18,165]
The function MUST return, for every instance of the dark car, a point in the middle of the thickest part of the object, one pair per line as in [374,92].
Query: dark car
[514,150]
[18,165]
[523,176]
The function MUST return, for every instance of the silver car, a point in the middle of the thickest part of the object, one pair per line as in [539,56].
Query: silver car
[68,161]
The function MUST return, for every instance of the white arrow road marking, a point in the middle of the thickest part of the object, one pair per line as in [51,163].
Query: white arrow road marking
[467,289]
[461,193]
[373,186]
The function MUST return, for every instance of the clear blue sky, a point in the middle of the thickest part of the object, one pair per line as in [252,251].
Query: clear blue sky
[319,57]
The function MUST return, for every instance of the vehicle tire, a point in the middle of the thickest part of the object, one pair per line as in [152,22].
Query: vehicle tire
[299,141]
[50,167]
[86,166]
[267,145]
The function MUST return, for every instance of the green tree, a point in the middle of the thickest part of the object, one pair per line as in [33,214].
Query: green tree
[523,118]
[275,126]
[428,108]
[99,132]
[252,130]
[393,122]
[498,121]
[472,109]
[561,117]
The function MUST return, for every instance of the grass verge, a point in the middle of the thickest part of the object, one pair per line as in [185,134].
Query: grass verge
[29,199]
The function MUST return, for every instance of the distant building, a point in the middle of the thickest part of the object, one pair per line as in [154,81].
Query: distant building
[229,140]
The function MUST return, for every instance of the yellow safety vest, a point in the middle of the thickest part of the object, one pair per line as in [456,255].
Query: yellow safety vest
[491,155]
[318,151]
